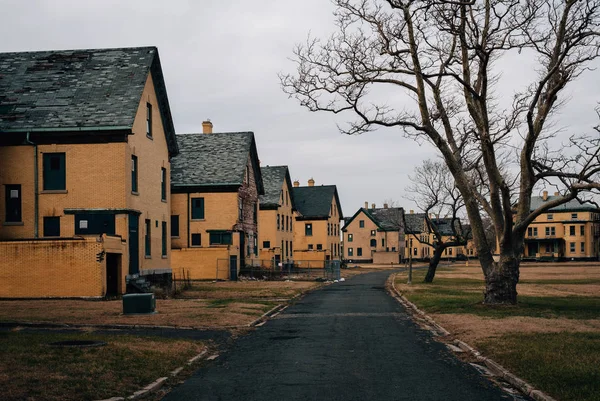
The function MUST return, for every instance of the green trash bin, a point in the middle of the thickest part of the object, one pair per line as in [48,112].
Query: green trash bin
[139,304]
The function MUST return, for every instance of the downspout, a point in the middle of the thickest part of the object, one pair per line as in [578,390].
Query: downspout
[187,219]
[35,187]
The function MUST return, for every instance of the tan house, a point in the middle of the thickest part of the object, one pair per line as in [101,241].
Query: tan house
[276,216]
[419,236]
[216,183]
[86,138]
[570,231]
[374,235]
[317,225]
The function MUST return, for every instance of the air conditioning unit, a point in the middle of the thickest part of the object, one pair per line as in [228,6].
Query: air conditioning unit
[139,304]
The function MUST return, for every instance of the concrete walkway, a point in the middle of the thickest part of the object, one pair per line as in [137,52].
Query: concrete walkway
[348,341]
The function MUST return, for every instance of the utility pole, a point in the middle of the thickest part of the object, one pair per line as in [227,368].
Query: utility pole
[410,252]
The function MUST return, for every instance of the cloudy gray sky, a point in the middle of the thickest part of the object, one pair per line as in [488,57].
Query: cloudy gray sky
[221,58]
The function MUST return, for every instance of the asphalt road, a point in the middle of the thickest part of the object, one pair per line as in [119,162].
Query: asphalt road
[348,341]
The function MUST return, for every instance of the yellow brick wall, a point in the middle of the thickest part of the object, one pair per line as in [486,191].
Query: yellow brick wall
[67,268]
[268,231]
[201,263]
[361,237]
[310,259]
[320,234]
[16,167]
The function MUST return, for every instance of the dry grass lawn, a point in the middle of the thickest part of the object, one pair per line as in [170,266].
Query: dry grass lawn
[551,338]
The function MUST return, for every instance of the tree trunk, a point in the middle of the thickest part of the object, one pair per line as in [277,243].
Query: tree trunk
[433,264]
[501,282]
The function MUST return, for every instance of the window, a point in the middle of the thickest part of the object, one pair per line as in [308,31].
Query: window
[449,251]
[548,248]
[197,208]
[358,251]
[572,246]
[415,251]
[308,229]
[550,216]
[266,244]
[196,239]
[373,233]
[54,172]
[328,228]
[287,223]
[571,230]
[574,216]
[51,226]
[350,252]
[147,239]
[291,249]
[382,242]
[393,249]
[163,184]
[350,237]
[89,224]
[175,226]
[361,223]
[278,222]
[583,247]
[220,238]
[310,247]
[582,230]
[134,173]
[164,239]
[12,203]
[373,243]
[530,231]
[148,120]
[535,231]
[319,247]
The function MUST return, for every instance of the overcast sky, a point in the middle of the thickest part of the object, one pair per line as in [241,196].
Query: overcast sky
[220,60]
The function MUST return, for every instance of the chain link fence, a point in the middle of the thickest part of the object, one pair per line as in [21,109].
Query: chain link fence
[305,270]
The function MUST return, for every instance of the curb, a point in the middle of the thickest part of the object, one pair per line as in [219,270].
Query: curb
[158,383]
[495,368]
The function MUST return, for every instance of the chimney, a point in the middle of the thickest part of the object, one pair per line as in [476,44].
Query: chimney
[557,194]
[412,211]
[545,196]
[296,183]
[372,206]
[385,205]
[366,205]
[207,127]
[311,183]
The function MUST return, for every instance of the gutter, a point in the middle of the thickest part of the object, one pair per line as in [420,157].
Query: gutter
[36,206]
[68,129]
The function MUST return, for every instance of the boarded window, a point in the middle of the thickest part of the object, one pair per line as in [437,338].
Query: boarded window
[163,183]
[164,239]
[54,172]
[51,226]
[149,120]
[94,224]
[134,173]
[196,239]
[175,226]
[266,244]
[220,238]
[12,203]
[148,239]
[308,229]
[358,251]
[197,208]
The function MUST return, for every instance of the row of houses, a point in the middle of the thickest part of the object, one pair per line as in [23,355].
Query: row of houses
[98,190]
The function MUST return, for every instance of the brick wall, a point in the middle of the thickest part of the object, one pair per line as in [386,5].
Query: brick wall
[61,268]
[201,263]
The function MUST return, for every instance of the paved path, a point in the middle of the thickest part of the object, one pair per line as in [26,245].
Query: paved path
[348,341]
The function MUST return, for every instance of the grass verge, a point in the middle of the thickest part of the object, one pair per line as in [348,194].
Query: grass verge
[566,365]
[33,370]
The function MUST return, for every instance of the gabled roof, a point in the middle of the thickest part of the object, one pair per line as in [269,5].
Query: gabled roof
[386,219]
[315,201]
[572,205]
[215,160]
[273,179]
[79,90]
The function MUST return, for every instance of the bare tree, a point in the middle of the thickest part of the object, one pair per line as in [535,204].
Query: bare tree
[439,56]
[433,190]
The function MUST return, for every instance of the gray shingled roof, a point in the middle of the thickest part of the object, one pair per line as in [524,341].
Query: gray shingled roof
[414,222]
[76,90]
[387,218]
[315,202]
[273,178]
[217,159]
[573,204]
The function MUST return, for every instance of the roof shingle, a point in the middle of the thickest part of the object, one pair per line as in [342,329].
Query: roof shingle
[315,201]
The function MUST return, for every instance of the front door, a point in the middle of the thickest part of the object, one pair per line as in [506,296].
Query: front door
[233,268]
[532,249]
[134,244]
[112,274]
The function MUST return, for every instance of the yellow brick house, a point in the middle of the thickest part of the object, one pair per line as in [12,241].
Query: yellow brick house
[276,216]
[570,231]
[317,225]
[375,235]
[216,183]
[86,138]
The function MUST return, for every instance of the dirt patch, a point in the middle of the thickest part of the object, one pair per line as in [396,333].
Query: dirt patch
[473,329]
